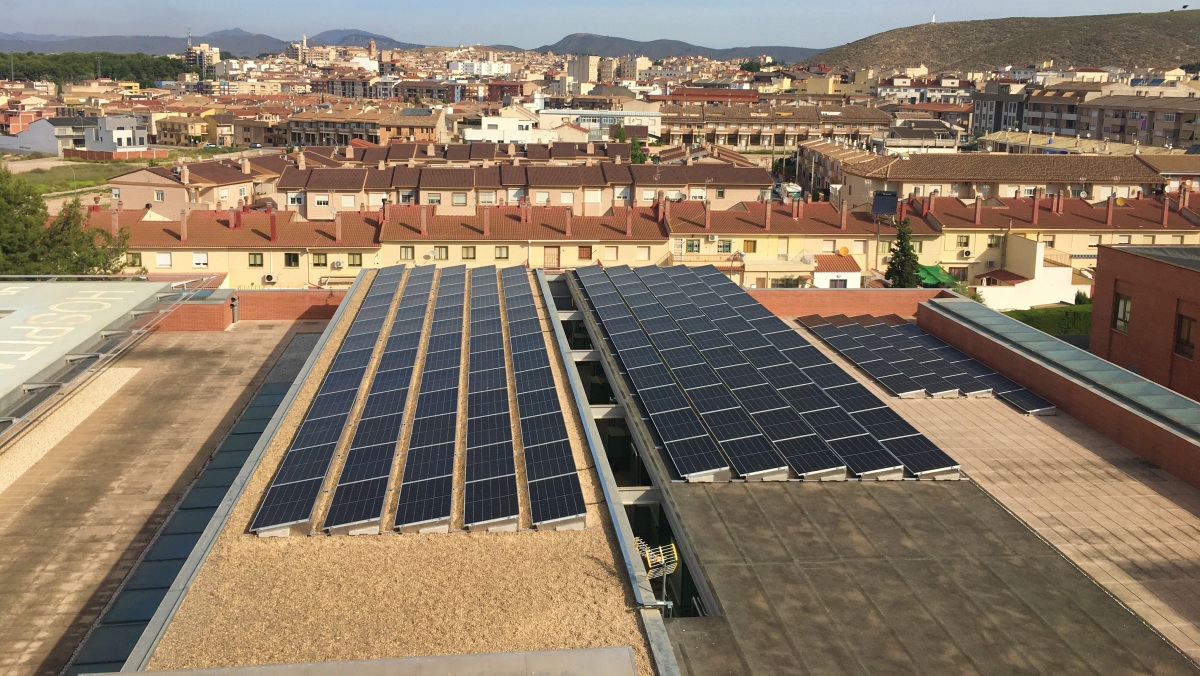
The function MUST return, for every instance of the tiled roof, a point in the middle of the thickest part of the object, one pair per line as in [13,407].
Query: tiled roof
[337,179]
[1006,276]
[210,230]
[447,178]
[749,218]
[1078,214]
[1173,164]
[963,167]
[721,174]
[216,173]
[836,263]
[547,224]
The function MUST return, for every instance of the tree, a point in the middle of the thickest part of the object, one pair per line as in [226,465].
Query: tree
[617,133]
[902,268]
[751,66]
[637,154]
[67,246]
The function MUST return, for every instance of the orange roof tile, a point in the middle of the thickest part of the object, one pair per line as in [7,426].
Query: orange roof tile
[836,263]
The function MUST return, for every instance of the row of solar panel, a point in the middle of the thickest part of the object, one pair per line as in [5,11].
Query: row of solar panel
[491,479]
[426,489]
[297,484]
[904,359]
[554,489]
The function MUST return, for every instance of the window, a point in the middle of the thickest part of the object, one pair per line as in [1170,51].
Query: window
[501,253]
[828,245]
[160,196]
[720,193]
[223,194]
[750,246]
[648,196]
[441,253]
[256,260]
[407,253]
[468,253]
[610,253]
[591,196]
[354,260]
[295,198]
[725,246]
[320,260]
[542,197]
[643,253]
[433,198]
[962,241]
[458,199]
[162,259]
[1121,309]
[133,260]
[860,246]
[242,192]
[1049,240]
[567,198]
[837,284]
[321,200]
[993,241]
[487,196]
[348,201]
[1123,239]
[514,194]
[696,194]
[1185,336]
[1028,192]
[291,260]
[585,253]
[621,192]
[693,246]
[1093,241]
[116,193]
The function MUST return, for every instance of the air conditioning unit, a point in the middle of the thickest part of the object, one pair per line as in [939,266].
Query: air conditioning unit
[336,265]
[270,279]
[712,238]
[966,253]
[887,260]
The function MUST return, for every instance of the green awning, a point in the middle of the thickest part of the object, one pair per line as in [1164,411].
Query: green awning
[932,275]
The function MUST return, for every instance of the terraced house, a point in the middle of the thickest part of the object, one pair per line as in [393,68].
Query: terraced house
[768,126]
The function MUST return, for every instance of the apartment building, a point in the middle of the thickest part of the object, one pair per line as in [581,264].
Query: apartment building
[760,127]
[999,106]
[339,126]
[182,131]
[584,68]
[1055,109]
[202,56]
[1150,121]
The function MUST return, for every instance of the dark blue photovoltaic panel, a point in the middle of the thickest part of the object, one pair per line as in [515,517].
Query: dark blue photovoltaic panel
[489,500]
[296,485]
[864,454]
[556,498]
[424,501]
[919,454]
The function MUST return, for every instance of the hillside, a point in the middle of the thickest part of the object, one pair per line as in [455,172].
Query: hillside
[603,45]
[352,37]
[1163,39]
[240,43]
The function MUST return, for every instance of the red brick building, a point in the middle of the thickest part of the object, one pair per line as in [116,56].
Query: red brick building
[1147,313]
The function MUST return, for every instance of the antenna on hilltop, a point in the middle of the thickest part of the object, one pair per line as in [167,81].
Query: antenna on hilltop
[934,19]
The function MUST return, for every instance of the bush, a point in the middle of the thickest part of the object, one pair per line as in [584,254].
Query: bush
[1082,298]
[1070,320]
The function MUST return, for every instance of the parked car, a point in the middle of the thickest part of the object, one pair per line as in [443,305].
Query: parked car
[210,145]
[255,145]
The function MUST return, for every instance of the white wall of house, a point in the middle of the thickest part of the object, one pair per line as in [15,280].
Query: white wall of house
[824,280]
[38,138]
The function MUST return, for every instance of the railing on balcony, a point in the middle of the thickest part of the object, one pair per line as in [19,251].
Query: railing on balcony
[707,258]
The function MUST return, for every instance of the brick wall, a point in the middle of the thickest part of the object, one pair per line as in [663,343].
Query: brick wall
[291,305]
[111,155]
[827,302]
[197,317]
[1168,450]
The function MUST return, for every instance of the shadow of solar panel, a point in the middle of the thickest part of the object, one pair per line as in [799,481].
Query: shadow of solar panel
[854,398]
[556,498]
[490,500]
[998,383]
[1025,401]
[549,460]
[489,462]
[806,398]
[919,454]
[423,501]
[287,504]
[864,455]
[543,429]
[428,462]
[833,423]
[884,424]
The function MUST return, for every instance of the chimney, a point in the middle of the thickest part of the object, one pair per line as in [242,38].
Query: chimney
[1108,210]
[274,230]
[183,215]
[616,159]
[629,221]
[1185,196]
[245,166]
[978,209]
[846,214]
[349,151]
[1138,196]
[1037,205]
[411,163]
[184,174]
[1017,193]
[382,165]
[512,150]
[300,161]
[1166,210]
[424,219]
[658,208]
[591,148]
[903,212]
[932,201]
[116,222]
[487,221]
[235,218]
[337,228]
[707,215]
[767,217]
[570,214]
[429,150]
[666,211]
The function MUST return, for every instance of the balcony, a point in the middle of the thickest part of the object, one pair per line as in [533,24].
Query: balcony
[1057,258]
[717,259]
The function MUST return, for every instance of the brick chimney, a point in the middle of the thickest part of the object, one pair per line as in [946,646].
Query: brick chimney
[116,222]
[1166,210]
[903,211]
[658,208]
[666,211]
[183,216]
[978,209]
[349,151]
[1185,196]
[300,161]
[274,228]
[932,202]
[1037,205]
[767,216]
[512,150]
[424,219]
[845,215]
[235,218]
[487,221]
[185,175]
[570,215]
[1109,208]
[707,215]
[337,228]
[629,221]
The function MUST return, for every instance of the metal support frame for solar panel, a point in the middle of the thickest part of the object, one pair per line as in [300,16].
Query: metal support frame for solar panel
[921,459]
[490,490]
[361,493]
[692,453]
[426,490]
[294,490]
[555,495]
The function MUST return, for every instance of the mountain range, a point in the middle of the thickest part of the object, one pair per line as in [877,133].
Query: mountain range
[603,45]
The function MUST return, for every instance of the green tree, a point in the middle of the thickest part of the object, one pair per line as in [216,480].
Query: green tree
[617,133]
[751,66]
[67,246]
[967,292]
[902,268]
[637,154]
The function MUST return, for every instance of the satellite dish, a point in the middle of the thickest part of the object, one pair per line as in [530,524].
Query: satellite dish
[844,251]
[1120,201]
[1083,194]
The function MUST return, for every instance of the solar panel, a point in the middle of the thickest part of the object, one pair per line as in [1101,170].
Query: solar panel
[919,454]
[865,455]
[295,487]
[556,498]
[1025,401]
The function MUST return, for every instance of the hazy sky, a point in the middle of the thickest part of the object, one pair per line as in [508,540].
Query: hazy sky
[532,23]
